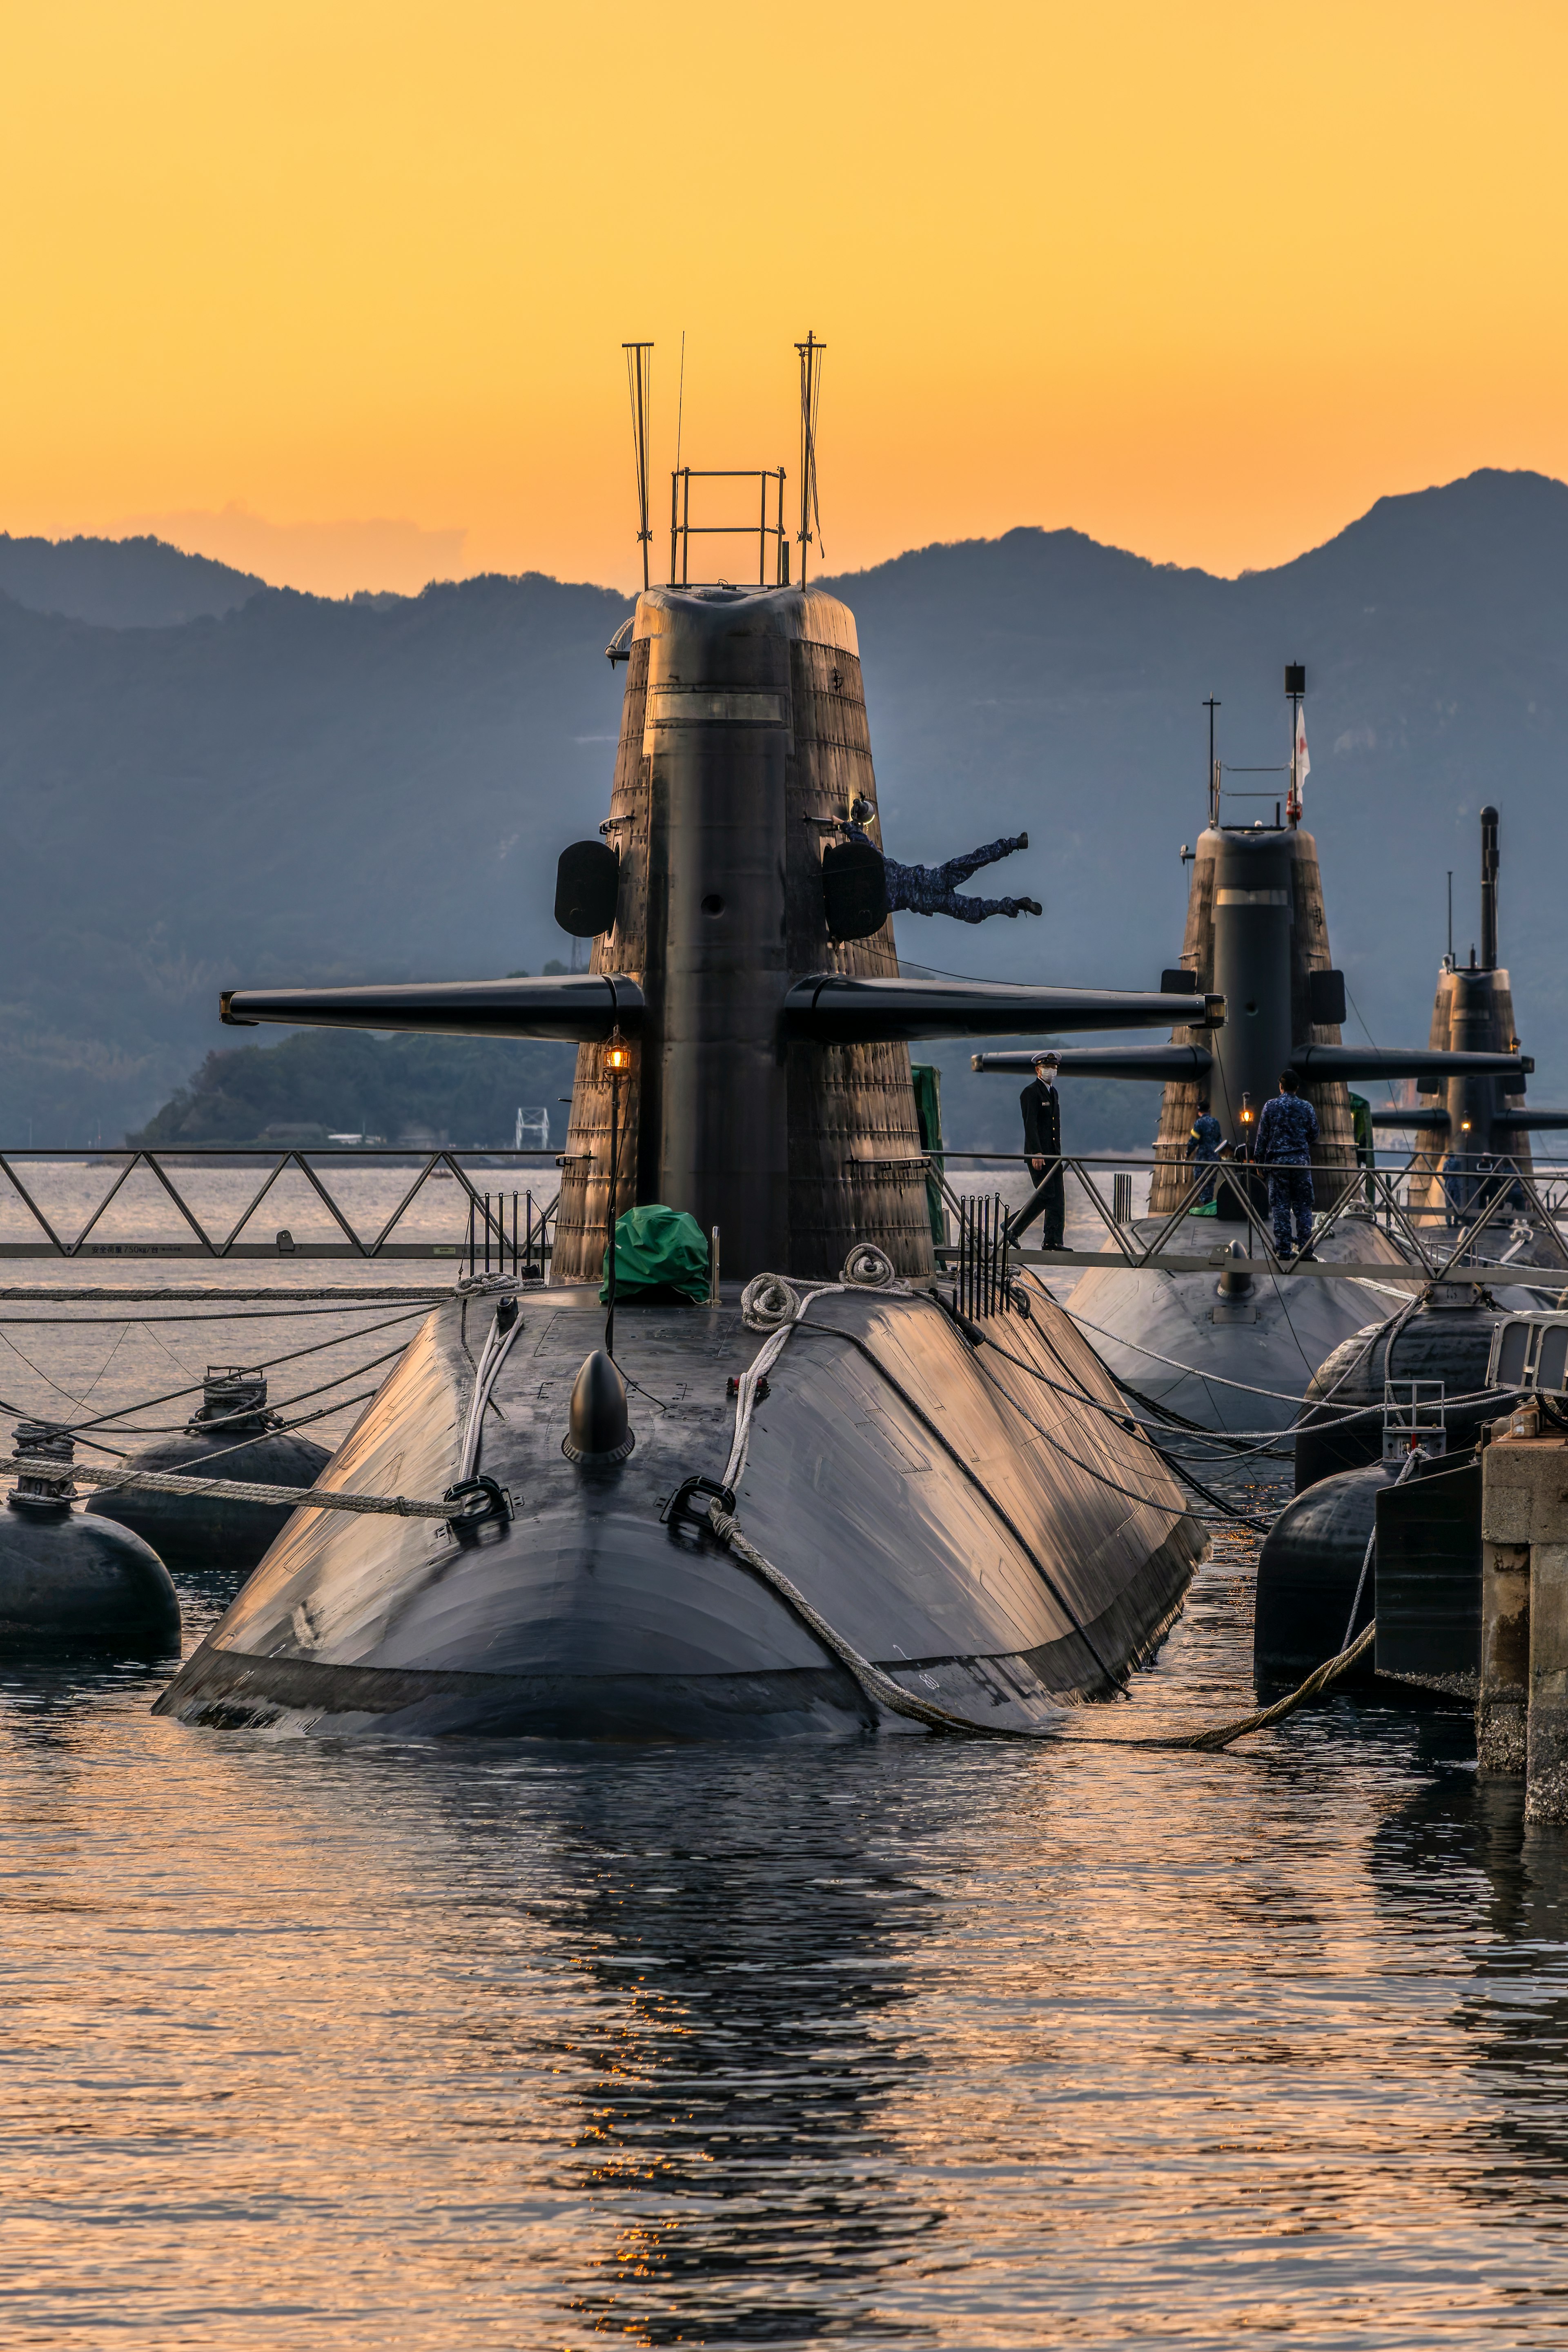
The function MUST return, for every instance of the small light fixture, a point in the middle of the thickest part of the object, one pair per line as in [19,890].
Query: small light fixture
[1247,1110]
[1464,1127]
[617,1062]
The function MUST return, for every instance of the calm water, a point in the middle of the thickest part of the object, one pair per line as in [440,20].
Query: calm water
[897,2043]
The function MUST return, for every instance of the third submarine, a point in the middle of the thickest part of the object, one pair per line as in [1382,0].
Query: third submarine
[1225,1348]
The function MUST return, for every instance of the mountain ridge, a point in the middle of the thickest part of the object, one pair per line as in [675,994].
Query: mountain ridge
[311,789]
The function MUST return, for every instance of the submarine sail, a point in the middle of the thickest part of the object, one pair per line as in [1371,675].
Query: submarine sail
[1474,1127]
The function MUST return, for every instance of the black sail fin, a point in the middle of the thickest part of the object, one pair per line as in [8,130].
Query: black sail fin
[830,1008]
[571,1006]
[1320,1063]
[1163,1062]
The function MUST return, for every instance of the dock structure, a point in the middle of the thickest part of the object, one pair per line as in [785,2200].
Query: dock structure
[1521,1708]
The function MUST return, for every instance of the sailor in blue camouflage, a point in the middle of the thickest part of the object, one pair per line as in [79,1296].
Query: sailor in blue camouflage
[1286,1138]
[933,889]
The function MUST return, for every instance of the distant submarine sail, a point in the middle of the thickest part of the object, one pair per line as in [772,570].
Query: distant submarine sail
[962,1499]
[1221,1348]
[1468,1119]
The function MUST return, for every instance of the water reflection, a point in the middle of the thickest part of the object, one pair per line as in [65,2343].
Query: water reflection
[746,1947]
[1462,1841]
[466,2045]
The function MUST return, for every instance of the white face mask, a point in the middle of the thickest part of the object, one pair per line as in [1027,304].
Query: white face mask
[1047,1078]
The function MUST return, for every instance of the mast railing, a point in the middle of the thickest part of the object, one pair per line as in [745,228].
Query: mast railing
[683,531]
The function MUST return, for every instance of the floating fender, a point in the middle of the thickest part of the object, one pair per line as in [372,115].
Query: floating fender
[72,1584]
[235,1432]
[1307,1571]
[1437,1342]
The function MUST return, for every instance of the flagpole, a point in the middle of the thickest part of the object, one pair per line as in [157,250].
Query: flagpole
[1295,689]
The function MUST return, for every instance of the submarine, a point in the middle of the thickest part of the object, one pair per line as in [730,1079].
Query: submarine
[1472,1164]
[1225,1347]
[949,1502]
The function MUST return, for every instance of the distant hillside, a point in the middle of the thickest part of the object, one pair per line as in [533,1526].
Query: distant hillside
[305,790]
[464,1091]
[119,584]
[1042,680]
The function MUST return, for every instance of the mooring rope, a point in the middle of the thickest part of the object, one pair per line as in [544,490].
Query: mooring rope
[231,1490]
[1220,1734]
[874,1684]
[774,1306]
[882,1691]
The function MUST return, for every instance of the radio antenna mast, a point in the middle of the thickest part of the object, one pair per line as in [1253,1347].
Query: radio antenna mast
[811,354]
[639,385]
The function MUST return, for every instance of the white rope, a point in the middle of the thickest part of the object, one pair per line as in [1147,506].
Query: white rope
[1406,1470]
[1281,1396]
[770,1303]
[229,1490]
[496,1350]
[1220,1734]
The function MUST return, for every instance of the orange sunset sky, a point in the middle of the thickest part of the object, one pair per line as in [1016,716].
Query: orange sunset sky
[336,291]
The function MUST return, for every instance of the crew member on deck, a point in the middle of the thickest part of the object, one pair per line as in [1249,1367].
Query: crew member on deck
[1365,1144]
[1286,1138]
[1203,1146]
[1042,1110]
[933,889]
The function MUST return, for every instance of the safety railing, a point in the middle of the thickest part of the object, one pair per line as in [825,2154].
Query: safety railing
[510,1222]
[1462,1247]
[769,487]
[980,1263]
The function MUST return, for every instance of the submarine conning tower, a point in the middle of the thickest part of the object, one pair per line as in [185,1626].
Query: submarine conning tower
[744,1028]
[743,741]
[1257,935]
[1472,1011]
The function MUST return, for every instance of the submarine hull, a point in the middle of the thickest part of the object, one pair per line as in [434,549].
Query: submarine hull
[991,1543]
[1234,1363]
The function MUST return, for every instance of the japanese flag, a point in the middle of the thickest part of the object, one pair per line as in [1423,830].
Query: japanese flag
[1302,762]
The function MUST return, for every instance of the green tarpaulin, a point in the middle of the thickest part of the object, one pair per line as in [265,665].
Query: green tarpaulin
[659,1253]
[927,1081]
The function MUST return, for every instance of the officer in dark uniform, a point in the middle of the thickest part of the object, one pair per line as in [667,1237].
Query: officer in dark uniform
[1286,1138]
[1203,1146]
[1042,1110]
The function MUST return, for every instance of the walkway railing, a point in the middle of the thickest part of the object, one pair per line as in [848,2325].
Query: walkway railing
[503,1220]
[1440,1250]
[510,1223]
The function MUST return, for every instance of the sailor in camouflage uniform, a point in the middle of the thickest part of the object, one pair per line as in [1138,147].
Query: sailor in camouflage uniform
[933,889]
[1287,1138]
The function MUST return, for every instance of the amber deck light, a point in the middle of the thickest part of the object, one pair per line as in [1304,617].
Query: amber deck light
[617,1062]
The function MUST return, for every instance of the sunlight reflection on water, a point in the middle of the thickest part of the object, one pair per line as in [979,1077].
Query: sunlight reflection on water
[472,2045]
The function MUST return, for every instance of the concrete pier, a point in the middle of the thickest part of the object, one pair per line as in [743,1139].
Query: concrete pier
[1521,1712]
